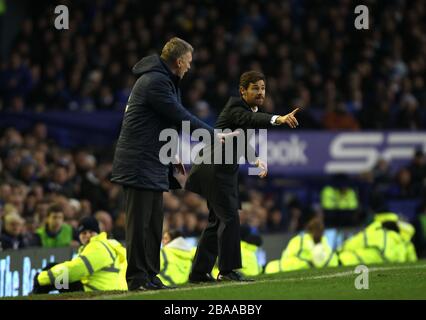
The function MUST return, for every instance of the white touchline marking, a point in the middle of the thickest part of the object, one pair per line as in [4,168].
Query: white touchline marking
[228,284]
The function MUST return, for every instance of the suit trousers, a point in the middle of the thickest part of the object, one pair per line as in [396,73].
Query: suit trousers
[220,239]
[144,229]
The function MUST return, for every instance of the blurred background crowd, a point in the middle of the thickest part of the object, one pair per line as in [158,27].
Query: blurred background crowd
[310,51]
[36,173]
[312,55]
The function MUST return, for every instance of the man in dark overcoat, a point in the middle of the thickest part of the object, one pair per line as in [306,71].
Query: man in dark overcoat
[154,105]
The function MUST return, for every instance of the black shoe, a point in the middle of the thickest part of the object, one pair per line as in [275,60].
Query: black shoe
[156,281]
[200,277]
[144,286]
[232,276]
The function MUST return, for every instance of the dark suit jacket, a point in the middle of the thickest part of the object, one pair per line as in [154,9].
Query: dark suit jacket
[154,104]
[219,182]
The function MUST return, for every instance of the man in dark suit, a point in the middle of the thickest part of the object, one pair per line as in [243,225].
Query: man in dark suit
[218,183]
[154,105]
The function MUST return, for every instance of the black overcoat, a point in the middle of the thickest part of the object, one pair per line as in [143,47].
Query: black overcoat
[154,104]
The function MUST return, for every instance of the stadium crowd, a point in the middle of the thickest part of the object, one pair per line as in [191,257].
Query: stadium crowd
[313,57]
[40,181]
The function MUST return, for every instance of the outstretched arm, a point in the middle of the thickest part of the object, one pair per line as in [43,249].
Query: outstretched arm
[289,119]
[89,261]
[164,102]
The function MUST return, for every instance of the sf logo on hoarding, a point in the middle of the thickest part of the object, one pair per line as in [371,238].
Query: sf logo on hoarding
[62,20]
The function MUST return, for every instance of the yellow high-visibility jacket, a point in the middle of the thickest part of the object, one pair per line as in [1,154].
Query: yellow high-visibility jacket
[249,260]
[373,245]
[273,266]
[303,253]
[3,7]
[386,216]
[176,262]
[406,230]
[100,266]
[333,199]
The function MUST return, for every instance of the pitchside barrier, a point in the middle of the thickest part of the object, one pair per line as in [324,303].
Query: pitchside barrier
[290,153]
[18,267]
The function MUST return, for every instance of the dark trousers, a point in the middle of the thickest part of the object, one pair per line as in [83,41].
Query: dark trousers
[221,239]
[144,229]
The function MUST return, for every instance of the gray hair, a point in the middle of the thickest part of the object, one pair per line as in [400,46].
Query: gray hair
[13,217]
[174,49]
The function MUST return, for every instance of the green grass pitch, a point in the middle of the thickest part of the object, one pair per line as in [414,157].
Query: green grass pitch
[393,281]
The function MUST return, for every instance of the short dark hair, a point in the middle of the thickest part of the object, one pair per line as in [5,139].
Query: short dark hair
[54,208]
[315,225]
[174,49]
[390,225]
[174,233]
[251,77]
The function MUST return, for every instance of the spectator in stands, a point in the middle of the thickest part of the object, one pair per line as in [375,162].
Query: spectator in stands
[294,215]
[15,80]
[55,233]
[340,203]
[5,192]
[338,118]
[379,179]
[176,221]
[28,171]
[403,187]
[89,182]
[30,204]
[119,229]
[12,236]
[190,225]
[60,182]
[40,212]
[382,176]
[418,170]
[39,132]
[202,110]
[74,212]
[105,221]
[275,221]
[409,116]
[387,93]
